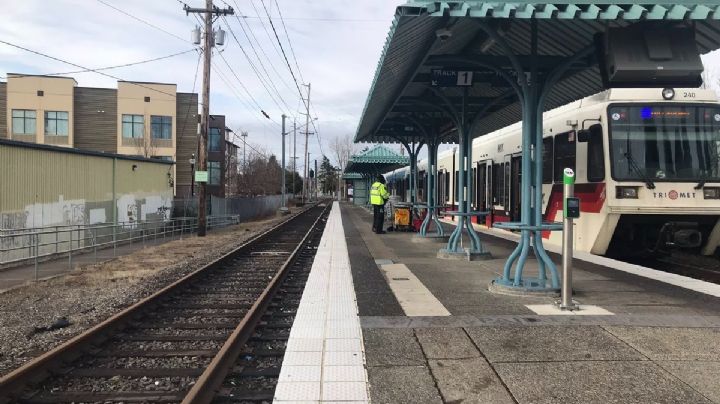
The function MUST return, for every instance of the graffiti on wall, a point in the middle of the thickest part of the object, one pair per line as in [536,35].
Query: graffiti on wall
[74,213]
[132,212]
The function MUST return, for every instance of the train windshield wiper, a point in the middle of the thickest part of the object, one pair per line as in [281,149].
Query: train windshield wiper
[634,166]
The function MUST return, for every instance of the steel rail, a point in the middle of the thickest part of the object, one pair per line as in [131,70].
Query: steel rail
[208,384]
[38,368]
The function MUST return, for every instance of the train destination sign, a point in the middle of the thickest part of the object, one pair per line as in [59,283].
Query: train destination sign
[451,78]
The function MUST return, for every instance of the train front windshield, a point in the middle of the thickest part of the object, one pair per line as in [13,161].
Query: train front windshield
[665,142]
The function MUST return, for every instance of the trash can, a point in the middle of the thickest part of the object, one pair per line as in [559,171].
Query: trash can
[402,217]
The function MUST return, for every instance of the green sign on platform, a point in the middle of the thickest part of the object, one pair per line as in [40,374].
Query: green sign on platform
[201,176]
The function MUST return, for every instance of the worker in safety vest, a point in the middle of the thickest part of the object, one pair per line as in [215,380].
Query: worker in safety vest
[378,196]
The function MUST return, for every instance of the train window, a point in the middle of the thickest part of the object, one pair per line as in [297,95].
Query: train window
[447,186]
[497,184]
[595,156]
[564,154]
[547,157]
[456,188]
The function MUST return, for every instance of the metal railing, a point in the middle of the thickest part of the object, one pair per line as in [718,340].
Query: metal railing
[34,245]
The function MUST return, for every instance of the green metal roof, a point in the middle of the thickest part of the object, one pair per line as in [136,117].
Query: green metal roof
[400,86]
[375,160]
[352,176]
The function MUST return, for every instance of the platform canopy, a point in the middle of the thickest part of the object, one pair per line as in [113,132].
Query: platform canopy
[452,35]
[376,160]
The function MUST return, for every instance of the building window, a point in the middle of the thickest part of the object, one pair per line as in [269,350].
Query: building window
[163,158]
[56,123]
[213,172]
[214,139]
[133,126]
[23,121]
[161,127]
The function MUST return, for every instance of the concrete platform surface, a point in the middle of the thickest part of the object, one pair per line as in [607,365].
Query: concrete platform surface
[647,339]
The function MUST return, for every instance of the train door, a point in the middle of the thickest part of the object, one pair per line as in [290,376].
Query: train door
[441,191]
[513,181]
[481,186]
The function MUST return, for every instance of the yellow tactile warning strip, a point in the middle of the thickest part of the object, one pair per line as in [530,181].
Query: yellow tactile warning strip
[415,299]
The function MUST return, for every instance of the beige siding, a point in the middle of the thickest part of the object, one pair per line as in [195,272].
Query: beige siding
[49,187]
[147,178]
[23,93]
[31,176]
[3,111]
[96,119]
[161,100]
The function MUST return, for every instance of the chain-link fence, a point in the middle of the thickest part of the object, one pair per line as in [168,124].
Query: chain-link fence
[245,208]
[31,246]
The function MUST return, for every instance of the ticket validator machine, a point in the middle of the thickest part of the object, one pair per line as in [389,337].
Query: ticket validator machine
[571,210]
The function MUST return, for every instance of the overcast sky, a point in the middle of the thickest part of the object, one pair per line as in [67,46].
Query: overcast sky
[337,45]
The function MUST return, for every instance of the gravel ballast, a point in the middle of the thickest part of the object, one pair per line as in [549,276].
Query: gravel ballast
[91,294]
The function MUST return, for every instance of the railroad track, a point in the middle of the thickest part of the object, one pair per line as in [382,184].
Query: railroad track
[698,267]
[179,344]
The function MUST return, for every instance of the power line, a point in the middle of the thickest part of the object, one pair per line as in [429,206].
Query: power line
[264,27]
[84,68]
[236,93]
[244,23]
[142,21]
[197,69]
[111,67]
[368,20]
[245,88]
[283,50]
[267,13]
[257,73]
[292,51]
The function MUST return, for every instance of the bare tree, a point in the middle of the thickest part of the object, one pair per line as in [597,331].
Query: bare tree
[262,174]
[343,148]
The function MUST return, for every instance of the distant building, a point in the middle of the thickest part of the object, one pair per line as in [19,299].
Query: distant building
[138,118]
[216,160]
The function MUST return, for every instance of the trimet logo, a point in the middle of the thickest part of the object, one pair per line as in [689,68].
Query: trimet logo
[674,195]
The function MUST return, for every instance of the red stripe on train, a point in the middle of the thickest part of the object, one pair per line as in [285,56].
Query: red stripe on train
[592,199]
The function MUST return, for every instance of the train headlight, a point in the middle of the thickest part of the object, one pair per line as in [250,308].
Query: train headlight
[668,93]
[711,192]
[626,192]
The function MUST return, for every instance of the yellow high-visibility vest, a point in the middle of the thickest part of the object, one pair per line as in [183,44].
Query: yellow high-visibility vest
[378,193]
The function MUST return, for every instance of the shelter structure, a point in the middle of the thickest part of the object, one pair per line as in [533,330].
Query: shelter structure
[363,168]
[454,70]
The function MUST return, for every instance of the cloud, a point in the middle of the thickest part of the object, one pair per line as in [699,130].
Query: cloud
[337,45]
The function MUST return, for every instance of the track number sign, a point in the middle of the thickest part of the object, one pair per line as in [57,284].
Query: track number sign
[451,78]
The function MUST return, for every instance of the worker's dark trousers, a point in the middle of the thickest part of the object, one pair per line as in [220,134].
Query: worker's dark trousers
[378,217]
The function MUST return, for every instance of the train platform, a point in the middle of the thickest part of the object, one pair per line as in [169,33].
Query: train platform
[432,332]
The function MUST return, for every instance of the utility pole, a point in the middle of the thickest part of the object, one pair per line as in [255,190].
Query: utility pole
[209,12]
[307,129]
[283,207]
[294,163]
[315,182]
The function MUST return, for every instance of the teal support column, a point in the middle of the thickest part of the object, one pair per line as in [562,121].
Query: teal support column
[455,248]
[413,149]
[432,211]
[534,94]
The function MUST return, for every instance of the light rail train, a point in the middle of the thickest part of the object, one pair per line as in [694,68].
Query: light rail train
[646,163]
